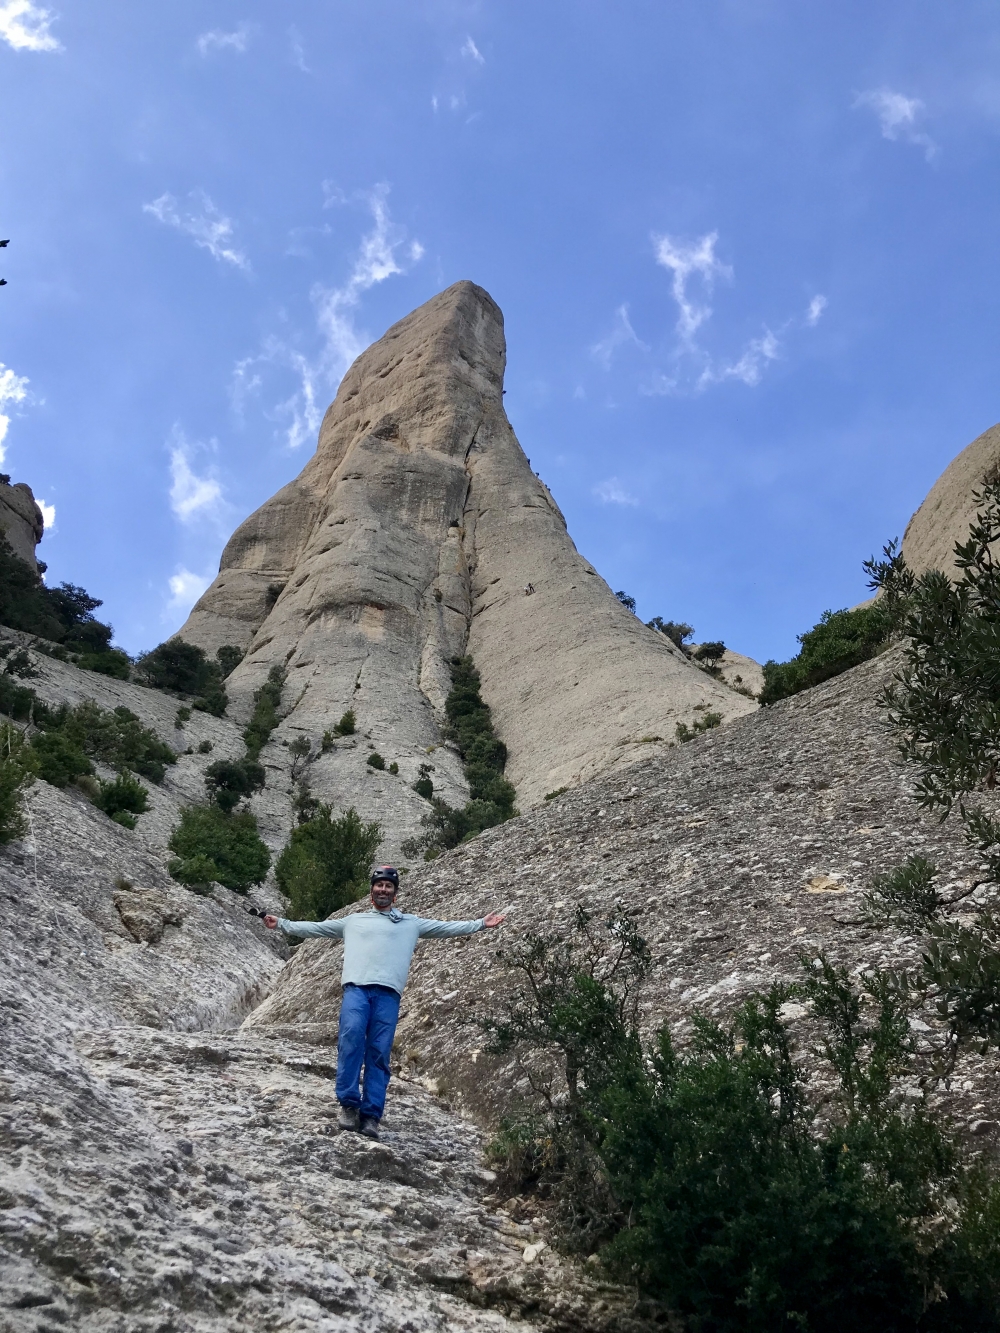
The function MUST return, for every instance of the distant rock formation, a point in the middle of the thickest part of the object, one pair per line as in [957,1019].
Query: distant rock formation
[945,516]
[21,520]
[417,532]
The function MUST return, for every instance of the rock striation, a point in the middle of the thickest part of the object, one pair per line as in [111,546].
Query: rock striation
[21,520]
[418,532]
[945,516]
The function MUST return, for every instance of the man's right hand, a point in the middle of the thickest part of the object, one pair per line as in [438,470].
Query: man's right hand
[270,922]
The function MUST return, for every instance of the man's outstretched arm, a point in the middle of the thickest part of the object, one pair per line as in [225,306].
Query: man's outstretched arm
[446,930]
[306,929]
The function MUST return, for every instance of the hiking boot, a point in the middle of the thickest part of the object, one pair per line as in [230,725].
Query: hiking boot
[349,1118]
[369,1127]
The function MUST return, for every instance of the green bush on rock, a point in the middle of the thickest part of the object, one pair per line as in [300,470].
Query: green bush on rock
[212,846]
[18,766]
[264,718]
[63,615]
[60,758]
[841,639]
[749,1184]
[123,799]
[484,758]
[326,862]
[228,781]
[184,668]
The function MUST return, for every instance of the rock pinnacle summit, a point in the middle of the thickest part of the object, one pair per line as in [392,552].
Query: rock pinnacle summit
[418,532]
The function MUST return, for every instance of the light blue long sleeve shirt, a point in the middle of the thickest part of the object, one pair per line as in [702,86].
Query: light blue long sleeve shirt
[378,946]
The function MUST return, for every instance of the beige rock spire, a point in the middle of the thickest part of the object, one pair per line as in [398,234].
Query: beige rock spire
[21,520]
[410,537]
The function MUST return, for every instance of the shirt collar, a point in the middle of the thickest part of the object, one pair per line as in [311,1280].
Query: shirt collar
[394,914]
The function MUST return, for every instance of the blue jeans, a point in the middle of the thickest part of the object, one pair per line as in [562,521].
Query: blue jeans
[368,1016]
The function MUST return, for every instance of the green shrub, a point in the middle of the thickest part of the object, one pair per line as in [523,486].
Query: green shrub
[175,665]
[229,659]
[327,743]
[748,1185]
[483,759]
[675,630]
[125,819]
[841,640]
[700,725]
[19,701]
[347,724]
[394,768]
[304,803]
[626,601]
[18,766]
[116,738]
[375,760]
[326,863]
[424,785]
[181,716]
[212,846]
[64,615]
[60,759]
[228,781]
[18,663]
[205,747]
[710,654]
[126,795]
[264,718]
[184,668]
[551,795]
[906,896]
[114,662]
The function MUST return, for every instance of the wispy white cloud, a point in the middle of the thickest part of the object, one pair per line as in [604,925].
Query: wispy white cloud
[622,334]
[898,116]
[748,368]
[192,497]
[380,256]
[13,390]
[48,514]
[25,26]
[684,262]
[208,228]
[185,589]
[217,40]
[816,307]
[471,50]
[612,492]
[695,267]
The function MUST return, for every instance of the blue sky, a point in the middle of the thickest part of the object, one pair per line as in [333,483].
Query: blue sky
[746,252]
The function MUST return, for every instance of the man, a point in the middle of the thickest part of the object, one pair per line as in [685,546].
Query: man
[378,946]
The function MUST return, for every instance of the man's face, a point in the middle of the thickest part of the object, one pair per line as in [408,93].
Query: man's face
[383,894]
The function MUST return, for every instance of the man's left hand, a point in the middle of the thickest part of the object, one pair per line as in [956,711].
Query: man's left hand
[494,919]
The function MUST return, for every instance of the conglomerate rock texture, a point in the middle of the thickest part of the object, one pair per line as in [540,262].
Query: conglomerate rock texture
[412,536]
[945,516]
[160,1171]
[741,852]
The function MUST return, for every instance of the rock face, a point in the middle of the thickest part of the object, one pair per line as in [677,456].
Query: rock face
[410,537]
[740,852]
[160,1171]
[21,520]
[945,516]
